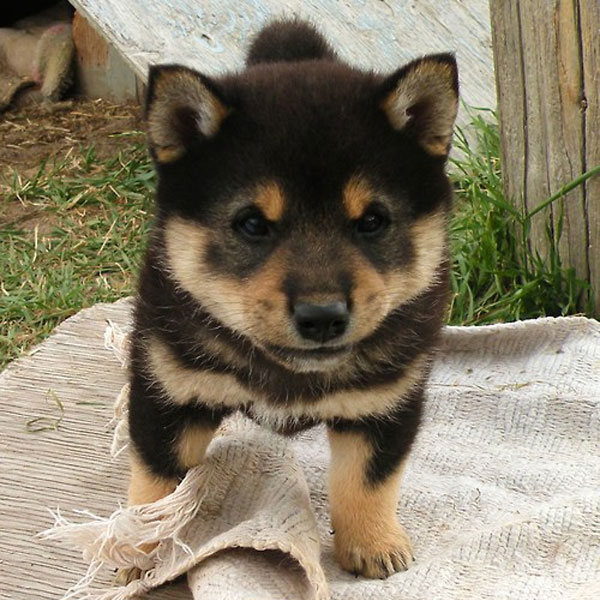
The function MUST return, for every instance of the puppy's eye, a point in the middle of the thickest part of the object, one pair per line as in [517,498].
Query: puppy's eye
[371,224]
[252,225]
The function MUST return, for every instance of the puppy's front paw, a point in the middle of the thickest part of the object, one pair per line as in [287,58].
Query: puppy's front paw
[373,555]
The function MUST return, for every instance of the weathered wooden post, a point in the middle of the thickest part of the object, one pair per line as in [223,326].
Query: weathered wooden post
[547,62]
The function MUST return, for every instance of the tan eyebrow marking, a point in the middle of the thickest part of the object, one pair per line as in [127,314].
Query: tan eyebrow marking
[271,200]
[357,196]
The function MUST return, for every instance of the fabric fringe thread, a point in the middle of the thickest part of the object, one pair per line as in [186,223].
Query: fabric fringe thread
[116,340]
[116,542]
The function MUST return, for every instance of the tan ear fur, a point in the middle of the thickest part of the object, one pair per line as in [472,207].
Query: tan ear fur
[424,102]
[180,108]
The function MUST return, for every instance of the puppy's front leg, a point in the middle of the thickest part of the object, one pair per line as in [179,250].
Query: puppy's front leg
[367,460]
[167,440]
[146,487]
[188,450]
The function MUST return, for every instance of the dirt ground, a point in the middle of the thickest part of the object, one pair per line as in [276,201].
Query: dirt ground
[32,133]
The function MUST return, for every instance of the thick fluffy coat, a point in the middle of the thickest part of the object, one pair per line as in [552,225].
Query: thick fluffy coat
[297,270]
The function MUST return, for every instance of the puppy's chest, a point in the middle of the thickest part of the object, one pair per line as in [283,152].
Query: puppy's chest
[283,400]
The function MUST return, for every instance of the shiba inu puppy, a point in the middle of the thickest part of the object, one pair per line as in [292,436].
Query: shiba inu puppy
[298,269]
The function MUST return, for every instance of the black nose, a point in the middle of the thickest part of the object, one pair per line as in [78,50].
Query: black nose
[321,322]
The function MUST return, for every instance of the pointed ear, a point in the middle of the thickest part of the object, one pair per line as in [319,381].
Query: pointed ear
[182,107]
[422,100]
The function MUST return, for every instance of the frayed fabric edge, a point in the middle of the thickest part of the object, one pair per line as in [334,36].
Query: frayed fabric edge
[117,541]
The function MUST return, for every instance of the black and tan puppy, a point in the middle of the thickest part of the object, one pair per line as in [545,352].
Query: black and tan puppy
[297,270]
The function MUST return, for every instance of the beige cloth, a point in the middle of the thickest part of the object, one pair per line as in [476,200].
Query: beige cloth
[501,495]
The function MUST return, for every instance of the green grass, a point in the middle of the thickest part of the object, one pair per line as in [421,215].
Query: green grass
[495,277]
[82,226]
[77,241]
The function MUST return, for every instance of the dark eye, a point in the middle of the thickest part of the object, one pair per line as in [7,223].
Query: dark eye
[372,223]
[252,225]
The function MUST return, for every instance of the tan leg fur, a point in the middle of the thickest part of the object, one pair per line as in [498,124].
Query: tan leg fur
[192,445]
[144,486]
[368,538]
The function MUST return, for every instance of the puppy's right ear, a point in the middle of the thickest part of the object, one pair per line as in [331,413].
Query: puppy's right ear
[183,107]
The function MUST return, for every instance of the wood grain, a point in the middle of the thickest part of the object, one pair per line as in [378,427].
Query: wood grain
[546,54]
[212,36]
[589,19]
[101,72]
[510,87]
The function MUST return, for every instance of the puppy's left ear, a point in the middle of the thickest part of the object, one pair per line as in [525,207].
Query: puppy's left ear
[183,108]
[421,99]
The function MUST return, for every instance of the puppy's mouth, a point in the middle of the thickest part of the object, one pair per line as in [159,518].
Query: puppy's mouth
[322,358]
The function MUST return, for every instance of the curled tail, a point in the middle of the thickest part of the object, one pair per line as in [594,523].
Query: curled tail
[289,41]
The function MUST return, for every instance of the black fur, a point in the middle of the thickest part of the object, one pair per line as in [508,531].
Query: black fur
[289,41]
[157,424]
[391,438]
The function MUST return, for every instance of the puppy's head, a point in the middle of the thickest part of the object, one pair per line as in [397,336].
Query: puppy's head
[302,202]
